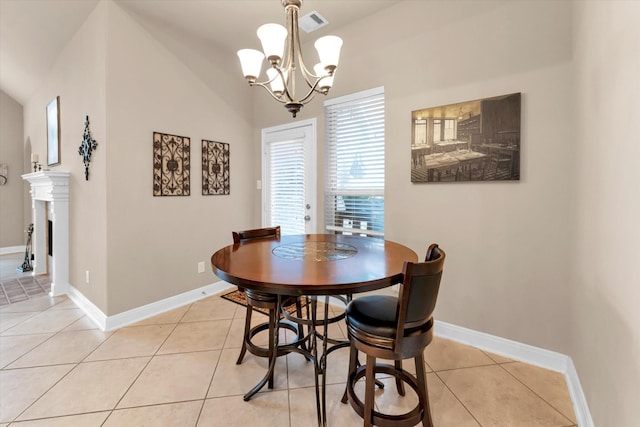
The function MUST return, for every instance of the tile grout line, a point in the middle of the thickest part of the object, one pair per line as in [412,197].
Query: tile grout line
[134,357]
[84,361]
[155,353]
[177,402]
[204,400]
[166,354]
[5,294]
[18,283]
[56,382]
[33,314]
[23,289]
[465,367]
[542,398]
[454,395]
[46,291]
[45,392]
[57,416]
[7,368]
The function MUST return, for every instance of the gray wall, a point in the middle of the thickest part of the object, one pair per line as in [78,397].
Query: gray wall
[12,195]
[605,296]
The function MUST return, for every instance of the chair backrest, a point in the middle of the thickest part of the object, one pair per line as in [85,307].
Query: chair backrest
[419,291]
[256,233]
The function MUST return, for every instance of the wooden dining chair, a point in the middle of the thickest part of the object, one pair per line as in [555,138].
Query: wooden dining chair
[256,299]
[395,328]
[256,233]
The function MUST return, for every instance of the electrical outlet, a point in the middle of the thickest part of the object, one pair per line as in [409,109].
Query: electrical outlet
[201,267]
[86,276]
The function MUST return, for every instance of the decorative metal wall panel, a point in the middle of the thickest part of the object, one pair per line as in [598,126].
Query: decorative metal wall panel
[215,168]
[86,147]
[171,165]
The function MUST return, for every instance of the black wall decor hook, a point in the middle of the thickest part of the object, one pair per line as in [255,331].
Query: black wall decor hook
[86,148]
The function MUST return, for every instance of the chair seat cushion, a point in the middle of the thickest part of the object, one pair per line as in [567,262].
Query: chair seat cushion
[374,314]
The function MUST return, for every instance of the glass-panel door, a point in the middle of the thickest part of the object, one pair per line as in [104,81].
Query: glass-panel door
[289,177]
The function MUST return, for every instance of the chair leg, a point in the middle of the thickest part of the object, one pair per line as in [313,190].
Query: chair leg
[353,365]
[422,385]
[399,382]
[301,326]
[247,328]
[369,391]
[299,314]
[273,319]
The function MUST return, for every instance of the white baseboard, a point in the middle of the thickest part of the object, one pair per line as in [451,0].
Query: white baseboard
[503,347]
[580,406]
[109,323]
[525,353]
[89,308]
[11,250]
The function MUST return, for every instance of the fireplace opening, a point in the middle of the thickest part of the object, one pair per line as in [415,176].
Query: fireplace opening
[50,237]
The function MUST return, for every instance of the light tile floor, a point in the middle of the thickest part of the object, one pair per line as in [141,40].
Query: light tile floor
[8,265]
[16,286]
[178,369]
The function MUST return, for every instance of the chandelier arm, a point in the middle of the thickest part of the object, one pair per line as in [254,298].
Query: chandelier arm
[273,95]
[265,84]
[311,94]
[286,87]
[313,89]
[315,86]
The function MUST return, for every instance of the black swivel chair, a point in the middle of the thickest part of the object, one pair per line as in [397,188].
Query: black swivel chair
[393,328]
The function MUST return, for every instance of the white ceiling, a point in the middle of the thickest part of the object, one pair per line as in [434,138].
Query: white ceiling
[34,32]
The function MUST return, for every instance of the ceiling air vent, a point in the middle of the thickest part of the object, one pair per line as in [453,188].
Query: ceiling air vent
[311,22]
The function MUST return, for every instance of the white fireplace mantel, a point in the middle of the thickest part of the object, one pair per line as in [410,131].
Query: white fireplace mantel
[53,188]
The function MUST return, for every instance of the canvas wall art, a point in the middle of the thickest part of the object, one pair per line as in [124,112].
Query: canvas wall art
[171,165]
[215,168]
[469,141]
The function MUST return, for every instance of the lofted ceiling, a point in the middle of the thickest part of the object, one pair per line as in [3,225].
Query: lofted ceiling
[33,33]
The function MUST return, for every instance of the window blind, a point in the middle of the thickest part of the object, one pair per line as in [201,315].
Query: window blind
[354,184]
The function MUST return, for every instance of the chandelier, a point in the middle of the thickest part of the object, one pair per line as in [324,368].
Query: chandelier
[282,49]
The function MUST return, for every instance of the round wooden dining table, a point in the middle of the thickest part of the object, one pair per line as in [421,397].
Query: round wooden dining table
[312,265]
